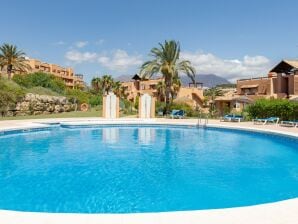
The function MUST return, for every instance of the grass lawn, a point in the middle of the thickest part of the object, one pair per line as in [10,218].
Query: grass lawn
[92,113]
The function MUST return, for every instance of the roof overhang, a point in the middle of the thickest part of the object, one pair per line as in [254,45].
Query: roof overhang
[285,66]
[249,86]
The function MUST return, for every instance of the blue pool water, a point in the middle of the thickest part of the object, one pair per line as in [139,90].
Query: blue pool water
[129,169]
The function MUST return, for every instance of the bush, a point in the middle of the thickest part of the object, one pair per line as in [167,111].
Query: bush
[42,91]
[127,107]
[190,112]
[95,100]
[160,106]
[263,108]
[10,93]
[78,96]
[40,79]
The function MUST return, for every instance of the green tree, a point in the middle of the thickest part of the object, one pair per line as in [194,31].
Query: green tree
[96,84]
[211,95]
[175,87]
[119,90]
[40,79]
[107,83]
[161,90]
[166,61]
[13,59]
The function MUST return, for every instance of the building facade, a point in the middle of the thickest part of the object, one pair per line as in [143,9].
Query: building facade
[70,79]
[190,95]
[280,83]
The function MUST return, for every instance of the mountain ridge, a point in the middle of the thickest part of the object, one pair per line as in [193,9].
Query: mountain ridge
[208,80]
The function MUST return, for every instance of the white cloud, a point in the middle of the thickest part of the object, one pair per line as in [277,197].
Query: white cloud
[59,43]
[232,69]
[99,42]
[79,57]
[119,60]
[81,44]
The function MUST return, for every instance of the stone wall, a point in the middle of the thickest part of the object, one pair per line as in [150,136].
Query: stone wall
[34,104]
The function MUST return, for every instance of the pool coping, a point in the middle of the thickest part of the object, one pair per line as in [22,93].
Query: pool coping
[278,212]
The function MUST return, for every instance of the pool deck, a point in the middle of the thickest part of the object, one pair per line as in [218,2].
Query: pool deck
[282,212]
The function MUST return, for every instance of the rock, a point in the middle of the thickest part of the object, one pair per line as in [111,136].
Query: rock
[59,109]
[30,97]
[67,107]
[42,104]
[37,112]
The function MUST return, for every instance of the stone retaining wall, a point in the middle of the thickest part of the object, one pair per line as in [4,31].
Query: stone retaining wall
[34,104]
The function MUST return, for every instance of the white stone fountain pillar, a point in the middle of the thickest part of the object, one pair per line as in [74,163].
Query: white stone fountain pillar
[146,106]
[110,106]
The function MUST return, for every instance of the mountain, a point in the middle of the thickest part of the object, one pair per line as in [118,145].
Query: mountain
[208,80]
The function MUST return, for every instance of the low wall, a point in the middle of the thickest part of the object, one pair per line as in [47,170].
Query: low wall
[34,104]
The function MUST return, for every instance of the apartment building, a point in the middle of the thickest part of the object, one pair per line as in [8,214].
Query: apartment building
[137,87]
[192,95]
[281,82]
[66,74]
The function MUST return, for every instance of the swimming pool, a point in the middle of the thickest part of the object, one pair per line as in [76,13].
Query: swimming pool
[127,169]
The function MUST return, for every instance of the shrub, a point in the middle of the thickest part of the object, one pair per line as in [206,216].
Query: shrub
[95,100]
[78,96]
[42,91]
[40,79]
[10,93]
[160,106]
[136,105]
[284,109]
[127,107]
[190,112]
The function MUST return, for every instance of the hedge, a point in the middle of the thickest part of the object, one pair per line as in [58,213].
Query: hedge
[282,108]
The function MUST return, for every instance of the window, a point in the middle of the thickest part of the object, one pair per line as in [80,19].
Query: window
[237,105]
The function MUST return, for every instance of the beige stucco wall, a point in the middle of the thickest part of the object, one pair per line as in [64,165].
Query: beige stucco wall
[295,85]
[195,95]
[66,74]
[264,85]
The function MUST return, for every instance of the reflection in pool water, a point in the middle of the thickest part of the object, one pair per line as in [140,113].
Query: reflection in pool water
[144,169]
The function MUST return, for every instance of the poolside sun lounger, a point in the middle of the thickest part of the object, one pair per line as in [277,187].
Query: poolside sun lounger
[177,114]
[289,123]
[263,121]
[231,117]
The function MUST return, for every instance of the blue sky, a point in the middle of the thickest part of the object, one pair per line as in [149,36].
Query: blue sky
[230,38]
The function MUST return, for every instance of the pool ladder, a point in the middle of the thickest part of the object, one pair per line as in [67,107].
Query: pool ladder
[204,122]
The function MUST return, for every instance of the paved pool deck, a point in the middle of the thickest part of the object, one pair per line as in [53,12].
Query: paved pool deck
[282,212]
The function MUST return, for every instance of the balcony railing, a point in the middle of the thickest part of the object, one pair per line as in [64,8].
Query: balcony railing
[256,78]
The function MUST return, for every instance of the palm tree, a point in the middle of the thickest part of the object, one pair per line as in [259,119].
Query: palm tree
[96,84]
[175,87]
[211,94]
[13,59]
[107,84]
[119,90]
[161,90]
[166,61]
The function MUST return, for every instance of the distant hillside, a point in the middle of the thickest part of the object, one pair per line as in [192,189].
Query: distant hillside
[209,80]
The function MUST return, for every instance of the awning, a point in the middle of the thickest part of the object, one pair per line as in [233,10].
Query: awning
[243,99]
[249,86]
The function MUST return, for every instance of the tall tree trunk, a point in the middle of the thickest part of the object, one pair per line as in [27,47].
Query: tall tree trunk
[168,92]
[9,70]
[9,75]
